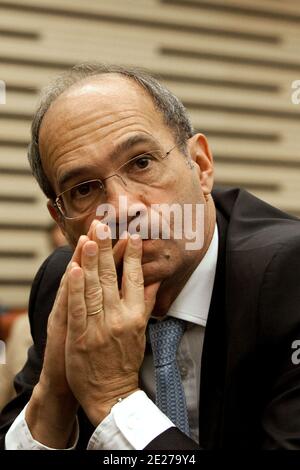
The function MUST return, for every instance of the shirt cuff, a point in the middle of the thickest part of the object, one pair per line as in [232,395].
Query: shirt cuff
[131,424]
[19,436]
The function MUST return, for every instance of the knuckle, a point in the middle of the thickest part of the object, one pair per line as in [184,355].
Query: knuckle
[91,270]
[140,323]
[77,311]
[133,256]
[117,328]
[116,331]
[136,277]
[75,288]
[105,246]
[108,277]
[93,292]
[81,345]
[132,263]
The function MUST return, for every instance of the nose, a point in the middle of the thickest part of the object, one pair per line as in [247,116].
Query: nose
[125,199]
[116,186]
[120,177]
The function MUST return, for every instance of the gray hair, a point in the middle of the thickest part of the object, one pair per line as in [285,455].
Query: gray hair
[174,113]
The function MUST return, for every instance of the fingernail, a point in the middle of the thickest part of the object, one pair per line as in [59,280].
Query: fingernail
[124,235]
[93,223]
[135,239]
[82,239]
[102,231]
[91,249]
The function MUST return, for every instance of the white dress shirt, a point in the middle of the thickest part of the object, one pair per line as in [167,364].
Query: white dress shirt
[136,420]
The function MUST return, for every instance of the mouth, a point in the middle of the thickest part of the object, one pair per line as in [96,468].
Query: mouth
[146,258]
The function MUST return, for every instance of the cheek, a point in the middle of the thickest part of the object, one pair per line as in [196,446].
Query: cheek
[162,252]
[74,229]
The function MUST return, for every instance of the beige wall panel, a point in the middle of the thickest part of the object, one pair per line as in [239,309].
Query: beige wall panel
[16,296]
[110,36]
[13,157]
[18,185]
[19,103]
[21,268]
[24,214]
[258,151]
[33,75]
[14,130]
[155,11]
[20,241]
[286,193]
[235,97]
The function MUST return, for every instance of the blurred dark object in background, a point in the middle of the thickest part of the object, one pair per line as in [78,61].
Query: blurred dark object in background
[56,237]
[7,318]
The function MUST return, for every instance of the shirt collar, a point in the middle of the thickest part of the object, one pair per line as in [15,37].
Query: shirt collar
[192,304]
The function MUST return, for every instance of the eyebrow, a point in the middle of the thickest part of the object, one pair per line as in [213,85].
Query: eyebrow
[120,148]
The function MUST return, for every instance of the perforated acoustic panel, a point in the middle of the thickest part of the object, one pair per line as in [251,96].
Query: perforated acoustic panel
[232,62]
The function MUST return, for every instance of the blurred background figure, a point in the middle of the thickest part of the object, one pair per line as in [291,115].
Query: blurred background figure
[17,342]
[56,237]
[231,62]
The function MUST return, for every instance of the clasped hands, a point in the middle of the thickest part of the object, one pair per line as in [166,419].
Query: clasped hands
[95,336]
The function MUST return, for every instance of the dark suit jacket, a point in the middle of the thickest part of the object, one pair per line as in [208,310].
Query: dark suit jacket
[250,388]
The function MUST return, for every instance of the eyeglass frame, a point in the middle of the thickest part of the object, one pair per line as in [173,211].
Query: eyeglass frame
[57,202]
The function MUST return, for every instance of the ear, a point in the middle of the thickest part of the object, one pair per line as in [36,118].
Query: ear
[203,161]
[56,216]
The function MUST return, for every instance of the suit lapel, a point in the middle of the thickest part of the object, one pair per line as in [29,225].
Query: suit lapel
[214,353]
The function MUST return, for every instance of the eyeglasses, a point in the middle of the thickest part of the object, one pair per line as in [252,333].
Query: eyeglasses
[83,198]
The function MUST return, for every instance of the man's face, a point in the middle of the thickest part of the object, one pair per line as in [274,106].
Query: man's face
[79,138]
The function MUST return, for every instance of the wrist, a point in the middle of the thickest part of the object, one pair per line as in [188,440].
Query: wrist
[61,404]
[98,411]
[50,418]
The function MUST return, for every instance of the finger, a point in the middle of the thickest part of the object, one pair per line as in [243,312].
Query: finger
[59,309]
[76,257]
[118,248]
[92,229]
[118,254]
[76,303]
[107,269]
[93,291]
[150,293]
[133,279]
[59,291]
[77,253]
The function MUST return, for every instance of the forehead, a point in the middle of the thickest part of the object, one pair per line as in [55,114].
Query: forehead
[103,99]
[91,118]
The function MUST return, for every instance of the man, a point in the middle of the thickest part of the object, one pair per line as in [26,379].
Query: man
[102,133]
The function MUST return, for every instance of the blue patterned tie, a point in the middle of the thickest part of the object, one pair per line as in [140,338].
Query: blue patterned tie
[165,337]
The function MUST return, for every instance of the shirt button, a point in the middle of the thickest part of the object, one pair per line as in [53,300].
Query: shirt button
[183,372]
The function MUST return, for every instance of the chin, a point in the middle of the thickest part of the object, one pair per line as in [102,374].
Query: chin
[158,262]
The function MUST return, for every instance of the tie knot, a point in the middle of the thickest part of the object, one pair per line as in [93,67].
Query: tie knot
[165,337]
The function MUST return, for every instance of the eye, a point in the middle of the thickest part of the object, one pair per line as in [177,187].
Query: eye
[142,162]
[82,190]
